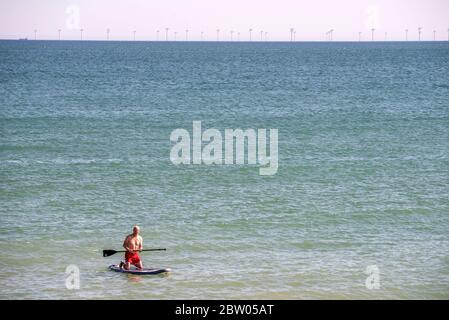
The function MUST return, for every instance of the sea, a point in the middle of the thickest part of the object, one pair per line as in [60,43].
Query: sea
[358,208]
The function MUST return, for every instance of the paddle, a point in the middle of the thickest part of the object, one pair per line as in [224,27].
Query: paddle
[107,253]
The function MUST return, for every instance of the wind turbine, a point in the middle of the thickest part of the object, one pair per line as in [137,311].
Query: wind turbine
[360,36]
[157,35]
[176,34]
[250,30]
[406,34]
[81,31]
[419,33]
[107,33]
[202,35]
[261,35]
[372,34]
[59,34]
[187,34]
[291,33]
[232,33]
[238,36]
[166,34]
[434,35]
[134,35]
[294,35]
[386,36]
[266,33]
[218,34]
[35,34]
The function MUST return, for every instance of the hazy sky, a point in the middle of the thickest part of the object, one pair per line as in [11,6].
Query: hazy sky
[310,18]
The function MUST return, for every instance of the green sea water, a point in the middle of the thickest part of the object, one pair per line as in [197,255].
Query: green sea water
[363,174]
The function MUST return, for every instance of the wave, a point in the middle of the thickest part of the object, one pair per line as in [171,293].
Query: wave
[61,161]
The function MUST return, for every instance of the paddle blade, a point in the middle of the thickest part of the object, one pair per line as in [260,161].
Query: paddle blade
[107,253]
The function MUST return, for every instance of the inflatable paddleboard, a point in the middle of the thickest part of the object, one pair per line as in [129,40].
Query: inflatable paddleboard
[144,271]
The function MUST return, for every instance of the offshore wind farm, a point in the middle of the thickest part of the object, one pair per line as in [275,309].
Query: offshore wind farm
[194,35]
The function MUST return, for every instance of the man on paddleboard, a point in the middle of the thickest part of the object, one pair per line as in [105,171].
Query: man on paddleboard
[133,244]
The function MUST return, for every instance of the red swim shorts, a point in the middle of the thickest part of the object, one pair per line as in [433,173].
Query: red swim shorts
[132,258]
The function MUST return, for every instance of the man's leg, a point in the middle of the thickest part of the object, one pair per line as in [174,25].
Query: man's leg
[127,265]
[139,265]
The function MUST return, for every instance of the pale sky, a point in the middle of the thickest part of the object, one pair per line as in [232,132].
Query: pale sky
[310,18]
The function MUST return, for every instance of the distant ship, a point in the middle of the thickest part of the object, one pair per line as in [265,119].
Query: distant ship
[23,39]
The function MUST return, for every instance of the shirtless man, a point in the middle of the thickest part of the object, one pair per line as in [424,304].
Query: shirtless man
[132,244]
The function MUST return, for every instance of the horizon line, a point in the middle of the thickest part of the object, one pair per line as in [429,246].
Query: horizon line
[214,41]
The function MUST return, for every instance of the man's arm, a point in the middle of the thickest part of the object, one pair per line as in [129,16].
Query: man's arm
[125,244]
[141,244]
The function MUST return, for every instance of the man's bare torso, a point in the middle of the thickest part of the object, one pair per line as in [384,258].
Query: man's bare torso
[133,242]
